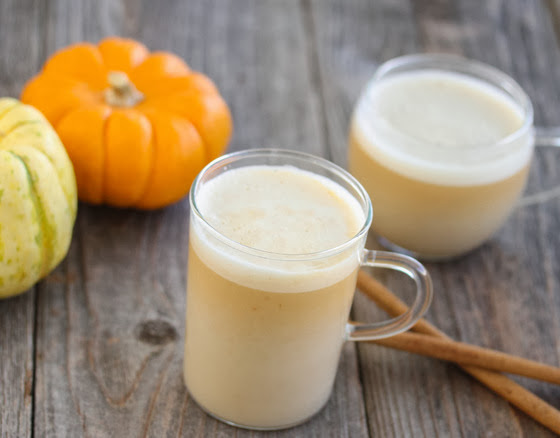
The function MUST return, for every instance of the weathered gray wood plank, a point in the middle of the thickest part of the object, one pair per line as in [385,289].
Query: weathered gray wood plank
[16,370]
[19,30]
[110,325]
[504,295]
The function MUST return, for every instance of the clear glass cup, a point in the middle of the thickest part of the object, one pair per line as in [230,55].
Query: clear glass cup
[434,201]
[263,359]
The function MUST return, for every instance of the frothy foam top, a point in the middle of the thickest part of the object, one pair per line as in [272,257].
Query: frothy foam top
[282,210]
[416,122]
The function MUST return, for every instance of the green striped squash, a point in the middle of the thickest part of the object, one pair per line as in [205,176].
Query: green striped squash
[38,199]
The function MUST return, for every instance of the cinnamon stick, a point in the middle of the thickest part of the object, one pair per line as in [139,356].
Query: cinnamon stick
[466,354]
[515,394]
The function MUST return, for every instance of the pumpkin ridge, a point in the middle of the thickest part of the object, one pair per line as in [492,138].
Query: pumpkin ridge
[151,176]
[181,116]
[74,85]
[54,100]
[98,115]
[163,95]
[46,251]
[105,157]
[104,136]
[168,174]
[98,100]
[70,110]
[140,167]
[55,76]
[108,44]
[151,100]
[49,68]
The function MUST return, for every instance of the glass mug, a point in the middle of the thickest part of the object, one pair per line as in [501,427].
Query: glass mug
[264,330]
[437,199]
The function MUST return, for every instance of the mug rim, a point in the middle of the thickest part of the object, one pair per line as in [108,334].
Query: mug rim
[471,68]
[231,157]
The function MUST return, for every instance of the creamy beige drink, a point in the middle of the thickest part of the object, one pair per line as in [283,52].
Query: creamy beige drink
[263,334]
[442,156]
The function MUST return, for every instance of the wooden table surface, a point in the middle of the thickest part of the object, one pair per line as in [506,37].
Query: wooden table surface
[96,348]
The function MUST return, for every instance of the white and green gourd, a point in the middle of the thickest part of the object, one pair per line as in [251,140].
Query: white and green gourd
[38,198]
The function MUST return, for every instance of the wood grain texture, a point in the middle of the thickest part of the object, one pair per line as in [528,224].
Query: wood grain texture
[16,367]
[504,295]
[19,59]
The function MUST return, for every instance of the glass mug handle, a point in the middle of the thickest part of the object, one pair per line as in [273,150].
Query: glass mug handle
[544,137]
[356,331]
[547,136]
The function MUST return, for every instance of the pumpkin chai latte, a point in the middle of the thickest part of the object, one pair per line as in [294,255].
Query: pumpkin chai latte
[444,157]
[263,337]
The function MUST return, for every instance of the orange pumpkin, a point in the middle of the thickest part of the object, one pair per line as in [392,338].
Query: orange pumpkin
[138,126]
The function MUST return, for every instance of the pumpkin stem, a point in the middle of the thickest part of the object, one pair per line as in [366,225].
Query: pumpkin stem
[121,91]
